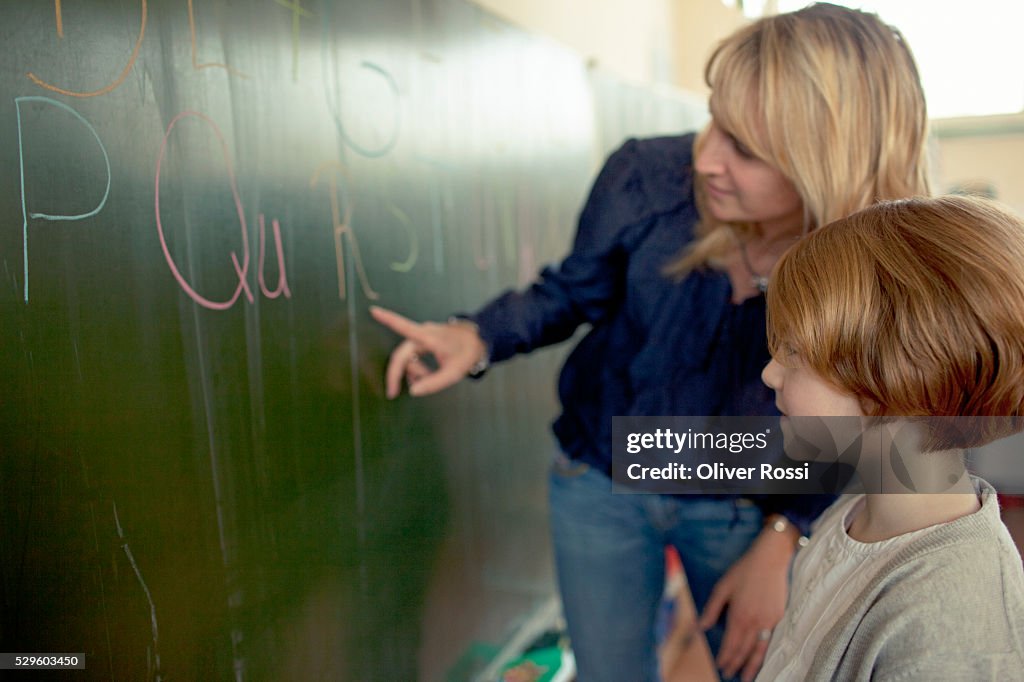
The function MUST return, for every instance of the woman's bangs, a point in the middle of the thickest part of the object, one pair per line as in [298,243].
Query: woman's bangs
[735,82]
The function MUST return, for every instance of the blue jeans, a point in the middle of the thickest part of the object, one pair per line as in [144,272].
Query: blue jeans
[610,556]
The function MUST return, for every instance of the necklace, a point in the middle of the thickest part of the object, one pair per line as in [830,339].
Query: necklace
[760,282]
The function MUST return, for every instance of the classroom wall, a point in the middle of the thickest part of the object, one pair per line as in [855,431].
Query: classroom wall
[644,41]
[666,42]
[982,152]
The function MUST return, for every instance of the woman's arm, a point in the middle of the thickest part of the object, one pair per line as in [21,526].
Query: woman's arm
[588,283]
[754,589]
[456,348]
[591,280]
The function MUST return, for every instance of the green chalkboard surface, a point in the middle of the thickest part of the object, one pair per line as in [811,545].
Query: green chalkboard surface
[200,478]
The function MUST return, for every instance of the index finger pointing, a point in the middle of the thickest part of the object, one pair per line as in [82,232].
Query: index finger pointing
[397,323]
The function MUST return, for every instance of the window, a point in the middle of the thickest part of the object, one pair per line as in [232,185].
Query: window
[970,54]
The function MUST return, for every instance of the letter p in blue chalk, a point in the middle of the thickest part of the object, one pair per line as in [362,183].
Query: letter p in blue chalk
[25,213]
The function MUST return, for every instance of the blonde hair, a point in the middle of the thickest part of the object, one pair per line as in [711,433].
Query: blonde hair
[915,307]
[829,96]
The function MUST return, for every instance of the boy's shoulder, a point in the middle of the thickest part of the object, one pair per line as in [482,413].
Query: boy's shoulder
[956,595]
[970,571]
[971,557]
[949,606]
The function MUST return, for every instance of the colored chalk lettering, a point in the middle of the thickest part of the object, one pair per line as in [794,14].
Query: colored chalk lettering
[25,213]
[241,269]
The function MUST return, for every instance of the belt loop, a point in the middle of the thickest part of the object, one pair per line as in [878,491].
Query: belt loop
[735,513]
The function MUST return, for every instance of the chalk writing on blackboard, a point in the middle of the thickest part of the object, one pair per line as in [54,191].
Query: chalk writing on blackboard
[155,660]
[342,227]
[60,19]
[282,276]
[25,213]
[391,139]
[242,269]
[298,14]
[441,201]
[195,52]
[414,245]
[110,86]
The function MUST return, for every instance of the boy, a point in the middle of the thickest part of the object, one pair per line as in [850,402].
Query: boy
[908,318]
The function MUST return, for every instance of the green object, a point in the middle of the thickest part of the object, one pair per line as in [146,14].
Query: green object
[200,475]
[540,665]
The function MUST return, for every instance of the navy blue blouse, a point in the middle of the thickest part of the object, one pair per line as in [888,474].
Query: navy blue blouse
[656,346]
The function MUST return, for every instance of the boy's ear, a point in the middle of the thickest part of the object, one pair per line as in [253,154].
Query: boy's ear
[869,408]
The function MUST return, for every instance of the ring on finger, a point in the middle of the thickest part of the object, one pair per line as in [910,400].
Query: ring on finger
[764,635]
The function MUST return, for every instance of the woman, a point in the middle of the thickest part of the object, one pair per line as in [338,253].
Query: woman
[815,114]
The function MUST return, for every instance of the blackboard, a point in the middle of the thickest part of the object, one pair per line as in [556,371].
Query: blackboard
[200,477]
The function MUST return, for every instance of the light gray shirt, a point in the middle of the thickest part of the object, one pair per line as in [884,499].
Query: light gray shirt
[946,605]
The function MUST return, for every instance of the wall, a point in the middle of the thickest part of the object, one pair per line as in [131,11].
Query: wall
[644,41]
[983,151]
